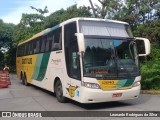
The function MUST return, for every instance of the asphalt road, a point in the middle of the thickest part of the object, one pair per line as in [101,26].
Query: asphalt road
[30,98]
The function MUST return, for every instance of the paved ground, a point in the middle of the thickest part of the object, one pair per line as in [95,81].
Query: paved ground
[21,98]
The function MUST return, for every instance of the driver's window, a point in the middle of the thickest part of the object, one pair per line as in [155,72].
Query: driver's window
[74,61]
[71,50]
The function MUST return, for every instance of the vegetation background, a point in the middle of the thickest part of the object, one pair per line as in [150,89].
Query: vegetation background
[142,15]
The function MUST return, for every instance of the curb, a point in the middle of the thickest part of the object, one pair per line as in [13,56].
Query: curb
[151,92]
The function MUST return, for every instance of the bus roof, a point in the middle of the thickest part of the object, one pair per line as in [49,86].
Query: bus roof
[44,32]
[93,19]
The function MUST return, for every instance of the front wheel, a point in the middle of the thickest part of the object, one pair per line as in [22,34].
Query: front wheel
[59,92]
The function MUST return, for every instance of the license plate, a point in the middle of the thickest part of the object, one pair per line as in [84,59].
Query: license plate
[117,95]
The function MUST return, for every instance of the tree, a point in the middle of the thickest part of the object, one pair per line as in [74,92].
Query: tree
[1,59]
[149,30]
[62,15]
[42,12]
[138,11]
[108,8]
[29,25]
[132,11]
[6,35]
[6,40]
[10,58]
[150,69]
[92,7]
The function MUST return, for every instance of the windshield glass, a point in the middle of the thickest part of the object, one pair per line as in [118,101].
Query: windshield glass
[110,58]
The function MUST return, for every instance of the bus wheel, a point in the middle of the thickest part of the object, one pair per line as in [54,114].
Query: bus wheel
[59,92]
[25,80]
[22,78]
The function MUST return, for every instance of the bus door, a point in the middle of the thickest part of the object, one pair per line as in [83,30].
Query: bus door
[72,60]
[74,72]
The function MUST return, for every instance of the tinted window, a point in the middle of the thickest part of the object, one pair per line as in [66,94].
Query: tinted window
[26,49]
[43,44]
[57,39]
[47,43]
[38,45]
[71,50]
[30,48]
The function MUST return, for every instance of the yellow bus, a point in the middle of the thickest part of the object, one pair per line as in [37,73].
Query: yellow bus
[88,60]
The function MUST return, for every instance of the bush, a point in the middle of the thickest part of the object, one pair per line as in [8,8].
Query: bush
[150,70]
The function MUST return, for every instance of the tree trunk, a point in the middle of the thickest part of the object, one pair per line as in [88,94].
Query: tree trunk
[94,13]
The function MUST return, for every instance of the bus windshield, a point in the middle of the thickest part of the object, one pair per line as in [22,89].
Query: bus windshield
[110,58]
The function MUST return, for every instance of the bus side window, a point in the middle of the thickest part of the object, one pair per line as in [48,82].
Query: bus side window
[48,43]
[26,49]
[57,39]
[37,46]
[30,48]
[40,44]
[43,44]
[19,51]
[34,47]
[22,54]
[22,50]
[50,36]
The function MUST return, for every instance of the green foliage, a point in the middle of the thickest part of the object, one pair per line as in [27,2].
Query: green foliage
[42,12]
[149,30]
[108,8]
[1,59]
[10,58]
[150,70]
[136,12]
[29,25]
[6,35]
[150,65]
[62,15]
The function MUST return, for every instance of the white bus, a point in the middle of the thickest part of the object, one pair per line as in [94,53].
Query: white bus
[88,60]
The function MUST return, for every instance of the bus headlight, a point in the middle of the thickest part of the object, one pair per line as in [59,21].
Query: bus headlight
[91,85]
[136,84]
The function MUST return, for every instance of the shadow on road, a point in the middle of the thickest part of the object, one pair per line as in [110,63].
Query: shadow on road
[96,106]
[143,98]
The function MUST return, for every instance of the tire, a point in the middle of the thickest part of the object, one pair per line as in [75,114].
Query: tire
[59,92]
[25,80]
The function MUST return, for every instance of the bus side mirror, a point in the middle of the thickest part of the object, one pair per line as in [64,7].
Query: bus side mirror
[80,39]
[143,46]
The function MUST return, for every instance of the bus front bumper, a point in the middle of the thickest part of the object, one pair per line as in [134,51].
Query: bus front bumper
[89,95]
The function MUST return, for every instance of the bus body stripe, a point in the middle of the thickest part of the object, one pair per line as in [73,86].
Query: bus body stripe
[43,66]
[129,82]
[121,83]
[37,66]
